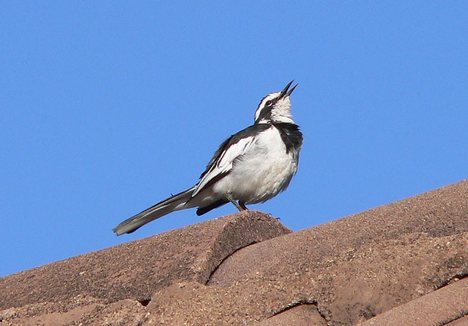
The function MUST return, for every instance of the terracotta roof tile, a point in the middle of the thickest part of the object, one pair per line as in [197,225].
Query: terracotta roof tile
[138,269]
[247,267]
[442,307]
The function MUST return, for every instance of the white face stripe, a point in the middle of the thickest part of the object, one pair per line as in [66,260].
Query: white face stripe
[261,106]
[281,111]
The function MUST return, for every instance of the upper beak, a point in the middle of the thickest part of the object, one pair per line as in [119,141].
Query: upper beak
[286,91]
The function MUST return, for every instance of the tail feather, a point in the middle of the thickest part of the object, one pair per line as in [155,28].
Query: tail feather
[216,204]
[162,208]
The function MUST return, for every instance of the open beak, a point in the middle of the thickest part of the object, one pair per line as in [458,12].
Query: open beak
[286,91]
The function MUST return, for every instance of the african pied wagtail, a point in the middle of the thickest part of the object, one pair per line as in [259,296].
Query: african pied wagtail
[250,167]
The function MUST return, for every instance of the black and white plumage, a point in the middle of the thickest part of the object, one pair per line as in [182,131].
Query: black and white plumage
[249,167]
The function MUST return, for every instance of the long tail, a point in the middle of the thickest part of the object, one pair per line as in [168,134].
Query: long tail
[162,208]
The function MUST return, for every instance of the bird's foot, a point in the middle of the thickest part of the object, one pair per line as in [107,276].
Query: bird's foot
[239,205]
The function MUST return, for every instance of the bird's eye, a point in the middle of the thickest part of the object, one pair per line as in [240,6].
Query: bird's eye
[268,103]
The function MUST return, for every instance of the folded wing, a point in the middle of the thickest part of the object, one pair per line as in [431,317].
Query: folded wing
[226,155]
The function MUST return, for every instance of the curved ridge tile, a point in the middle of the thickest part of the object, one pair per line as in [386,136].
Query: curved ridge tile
[137,269]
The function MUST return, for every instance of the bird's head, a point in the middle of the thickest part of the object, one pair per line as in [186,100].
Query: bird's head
[275,107]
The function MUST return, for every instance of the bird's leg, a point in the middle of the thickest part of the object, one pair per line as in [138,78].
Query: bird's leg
[240,206]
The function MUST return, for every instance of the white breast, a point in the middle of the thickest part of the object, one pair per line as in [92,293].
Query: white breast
[262,172]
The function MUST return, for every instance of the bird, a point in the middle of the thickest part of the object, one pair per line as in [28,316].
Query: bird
[250,167]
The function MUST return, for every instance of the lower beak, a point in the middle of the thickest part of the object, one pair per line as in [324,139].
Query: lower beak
[286,91]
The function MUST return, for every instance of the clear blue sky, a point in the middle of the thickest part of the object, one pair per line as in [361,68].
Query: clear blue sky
[108,107]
